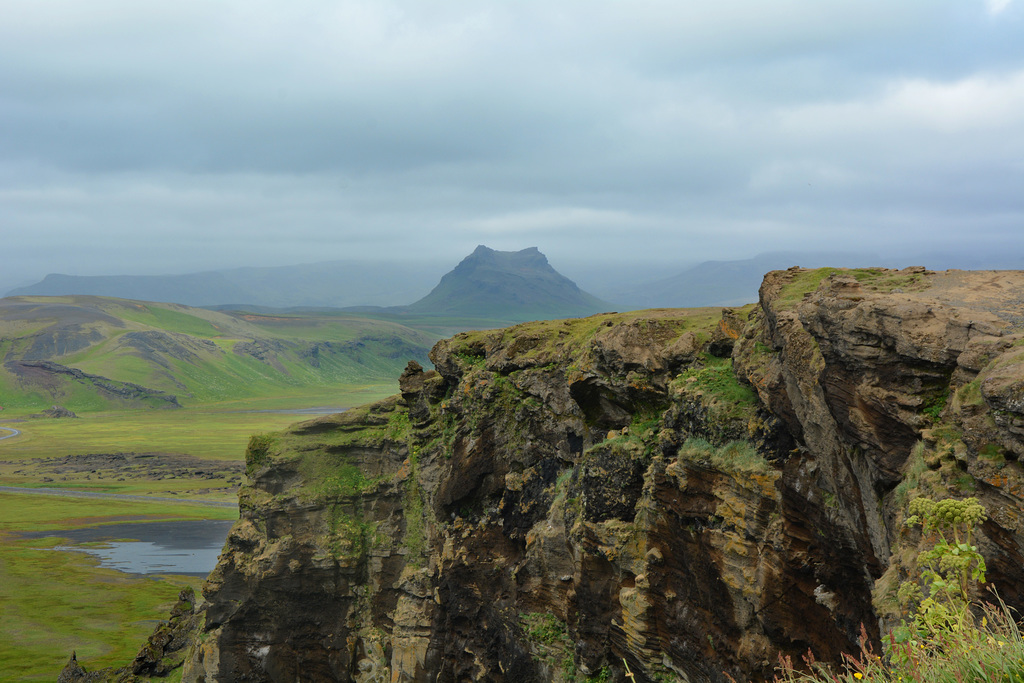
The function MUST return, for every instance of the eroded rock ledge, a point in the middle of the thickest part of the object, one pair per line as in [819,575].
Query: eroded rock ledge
[689,493]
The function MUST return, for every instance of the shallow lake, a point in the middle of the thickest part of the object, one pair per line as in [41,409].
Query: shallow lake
[188,547]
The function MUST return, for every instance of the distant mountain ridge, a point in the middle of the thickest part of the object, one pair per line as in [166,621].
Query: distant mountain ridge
[330,284]
[387,286]
[507,285]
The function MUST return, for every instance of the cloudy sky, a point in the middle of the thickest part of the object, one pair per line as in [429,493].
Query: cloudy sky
[168,137]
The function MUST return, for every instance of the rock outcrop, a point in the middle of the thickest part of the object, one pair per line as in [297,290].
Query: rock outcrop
[32,371]
[686,493]
[162,655]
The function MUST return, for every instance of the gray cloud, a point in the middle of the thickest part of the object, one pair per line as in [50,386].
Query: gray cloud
[142,136]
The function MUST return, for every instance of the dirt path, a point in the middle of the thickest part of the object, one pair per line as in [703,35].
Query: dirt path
[64,493]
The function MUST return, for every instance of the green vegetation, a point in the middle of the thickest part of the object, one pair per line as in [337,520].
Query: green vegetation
[715,379]
[331,478]
[351,535]
[415,540]
[947,570]
[56,602]
[970,394]
[541,343]
[258,451]
[552,644]
[942,640]
[934,405]
[213,439]
[913,471]
[872,279]
[735,456]
[136,354]
[544,628]
[170,317]
[800,285]
[226,369]
[993,453]
[882,280]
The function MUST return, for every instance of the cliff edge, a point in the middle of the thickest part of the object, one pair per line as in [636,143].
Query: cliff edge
[686,493]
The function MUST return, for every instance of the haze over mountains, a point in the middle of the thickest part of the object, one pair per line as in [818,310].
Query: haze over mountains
[329,284]
[496,285]
[492,284]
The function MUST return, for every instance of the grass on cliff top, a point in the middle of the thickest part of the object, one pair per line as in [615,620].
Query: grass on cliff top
[55,602]
[872,279]
[550,340]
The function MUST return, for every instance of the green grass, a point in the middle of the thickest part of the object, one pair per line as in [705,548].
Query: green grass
[217,435]
[934,405]
[202,433]
[735,456]
[55,602]
[803,283]
[542,342]
[715,378]
[872,279]
[169,319]
[335,327]
[881,280]
[225,375]
[298,355]
[970,394]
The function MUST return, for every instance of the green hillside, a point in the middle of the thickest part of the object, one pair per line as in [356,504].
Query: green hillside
[95,353]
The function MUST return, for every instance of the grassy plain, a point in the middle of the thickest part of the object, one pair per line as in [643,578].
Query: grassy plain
[187,453]
[55,602]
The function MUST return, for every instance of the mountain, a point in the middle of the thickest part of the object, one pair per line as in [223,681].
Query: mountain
[507,285]
[334,284]
[664,495]
[96,353]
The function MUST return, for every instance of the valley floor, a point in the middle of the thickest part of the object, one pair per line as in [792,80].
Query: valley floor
[109,469]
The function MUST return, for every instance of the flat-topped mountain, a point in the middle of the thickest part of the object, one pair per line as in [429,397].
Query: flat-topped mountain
[507,285]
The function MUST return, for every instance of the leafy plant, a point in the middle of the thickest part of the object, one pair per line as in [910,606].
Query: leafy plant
[941,641]
[940,597]
[934,406]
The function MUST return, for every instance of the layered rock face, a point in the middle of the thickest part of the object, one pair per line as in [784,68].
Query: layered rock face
[681,495]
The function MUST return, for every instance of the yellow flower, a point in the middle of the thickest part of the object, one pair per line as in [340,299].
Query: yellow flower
[858,675]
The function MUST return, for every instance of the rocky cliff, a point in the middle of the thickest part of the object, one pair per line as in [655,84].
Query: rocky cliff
[679,494]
